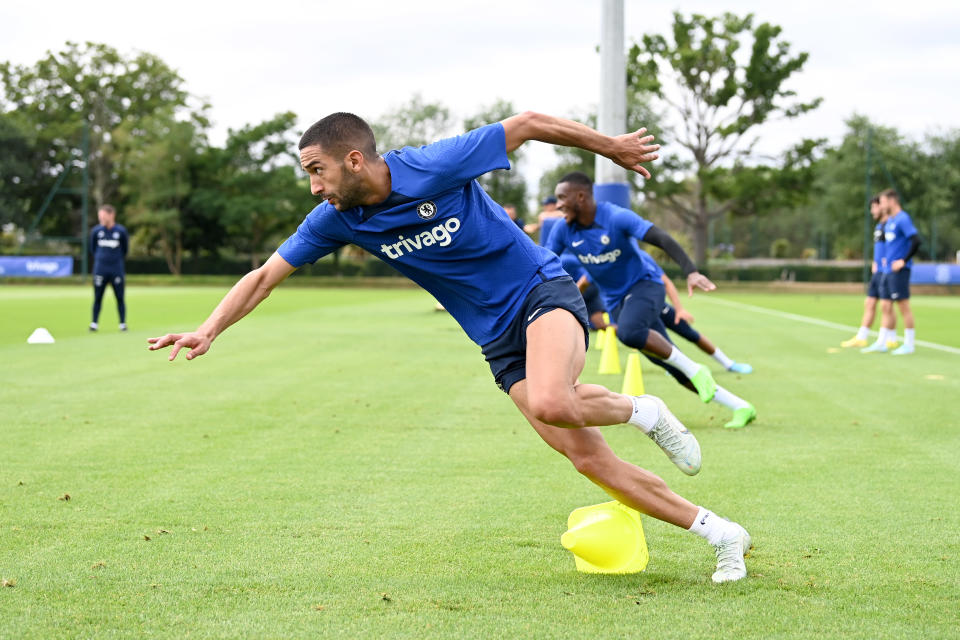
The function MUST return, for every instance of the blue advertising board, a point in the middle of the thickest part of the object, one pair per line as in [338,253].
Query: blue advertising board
[36,266]
[942,273]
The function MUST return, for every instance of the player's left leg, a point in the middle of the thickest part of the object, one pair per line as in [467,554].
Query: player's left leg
[743,412]
[117,282]
[909,329]
[99,286]
[549,393]
[642,490]
[683,328]
[639,326]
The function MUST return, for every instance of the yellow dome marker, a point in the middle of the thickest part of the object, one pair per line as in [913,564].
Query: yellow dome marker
[606,538]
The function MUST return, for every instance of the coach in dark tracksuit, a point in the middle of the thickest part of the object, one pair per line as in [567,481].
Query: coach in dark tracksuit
[108,243]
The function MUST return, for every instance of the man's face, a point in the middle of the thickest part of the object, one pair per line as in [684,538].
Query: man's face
[332,179]
[875,210]
[889,205]
[570,200]
[106,218]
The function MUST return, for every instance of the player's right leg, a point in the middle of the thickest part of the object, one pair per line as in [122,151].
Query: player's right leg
[99,286]
[888,325]
[869,313]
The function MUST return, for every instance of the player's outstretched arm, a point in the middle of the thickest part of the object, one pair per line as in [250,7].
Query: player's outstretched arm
[629,150]
[660,238]
[250,290]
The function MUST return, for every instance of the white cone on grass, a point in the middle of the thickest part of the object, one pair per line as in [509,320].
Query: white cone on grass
[40,336]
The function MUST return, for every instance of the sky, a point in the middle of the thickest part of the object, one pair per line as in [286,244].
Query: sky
[897,63]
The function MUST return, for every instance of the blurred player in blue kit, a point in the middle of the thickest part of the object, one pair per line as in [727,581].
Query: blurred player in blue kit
[673,316]
[900,243]
[874,289]
[422,211]
[604,237]
[109,243]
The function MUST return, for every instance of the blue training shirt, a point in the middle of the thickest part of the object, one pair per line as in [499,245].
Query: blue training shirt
[897,232]
[651,264]
[879,249]
[109,248]
[546,228]
[607,249]
[439,228]
[572,266]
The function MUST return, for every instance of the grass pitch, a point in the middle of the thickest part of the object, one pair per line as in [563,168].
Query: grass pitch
[341,465]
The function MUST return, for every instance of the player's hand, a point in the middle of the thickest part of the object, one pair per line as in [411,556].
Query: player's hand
[873,267]
[198,344]
[633,149]
[682,314]
[896,265]
[700,281]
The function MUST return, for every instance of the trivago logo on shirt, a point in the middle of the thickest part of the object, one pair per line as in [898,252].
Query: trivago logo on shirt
[441,234]
[110,243]
[609,256]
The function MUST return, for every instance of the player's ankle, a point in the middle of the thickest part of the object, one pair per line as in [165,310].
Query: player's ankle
[645,413]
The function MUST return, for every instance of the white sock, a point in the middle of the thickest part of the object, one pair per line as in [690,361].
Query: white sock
[882,337]
[729,400]
[908,337]
[710,526]
[722,358]
[682,362]
[645,413]
[891,335]
[863,333]
[93,325]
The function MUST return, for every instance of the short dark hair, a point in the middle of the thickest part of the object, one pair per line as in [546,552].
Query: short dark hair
[875,200]
[108,208]
[340,133]
[890,193]
[578,178]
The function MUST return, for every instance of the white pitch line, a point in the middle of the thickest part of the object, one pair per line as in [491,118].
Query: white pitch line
[818,321]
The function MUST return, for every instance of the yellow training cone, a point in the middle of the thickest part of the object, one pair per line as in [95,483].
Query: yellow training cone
[633,379]
[601,339]
[606,538]
[610,358]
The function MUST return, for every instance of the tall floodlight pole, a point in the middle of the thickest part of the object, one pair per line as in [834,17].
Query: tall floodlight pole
[611,180]
[84,232]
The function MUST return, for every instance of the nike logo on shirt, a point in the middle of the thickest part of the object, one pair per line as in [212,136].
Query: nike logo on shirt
[577,243]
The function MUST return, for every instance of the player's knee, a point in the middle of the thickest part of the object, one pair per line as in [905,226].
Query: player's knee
[591,464]
[555,409]
[633,335]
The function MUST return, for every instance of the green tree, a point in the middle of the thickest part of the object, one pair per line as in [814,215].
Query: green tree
[840,180]
[715,97]
[504,186]
[412,124]
[155,179]
[639,114]
[16,171]
[93,85]
[263,197]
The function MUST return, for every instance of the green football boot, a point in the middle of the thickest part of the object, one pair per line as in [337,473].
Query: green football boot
[742,417]
[704,383]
